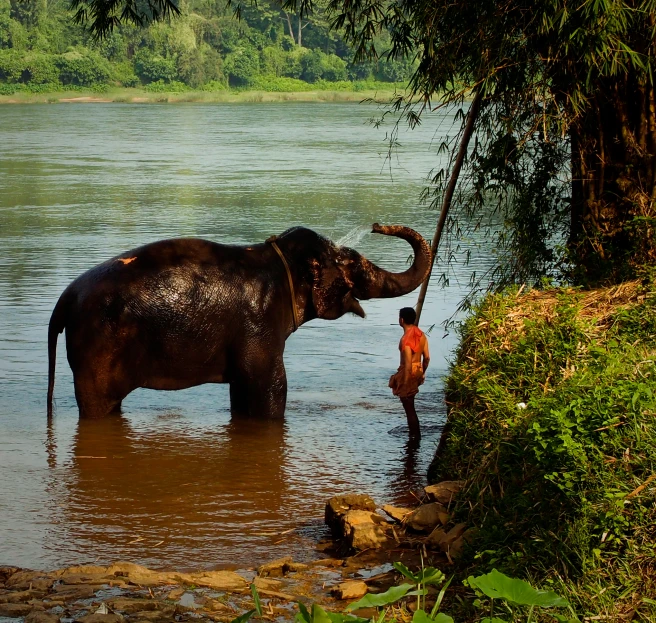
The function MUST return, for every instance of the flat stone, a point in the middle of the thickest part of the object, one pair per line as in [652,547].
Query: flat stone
[100,618]
[73,593]
[14,611]
[266,584]
[175,594]
[280,567]
[153,615]
[130,605]
[444,492]
[20,596]
[38,616]
[350,590]
[6,572]
[339,505]
[25,580]
[278,595]
[218,580]
[426,517]
[214,605]
[397,513]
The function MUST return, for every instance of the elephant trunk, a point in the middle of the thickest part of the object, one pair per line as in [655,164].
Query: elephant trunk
[374,282]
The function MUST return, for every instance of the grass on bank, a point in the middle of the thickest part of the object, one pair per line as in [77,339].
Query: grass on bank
[552,406]
[279,90]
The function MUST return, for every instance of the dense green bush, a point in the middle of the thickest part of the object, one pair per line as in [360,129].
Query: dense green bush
[83,68]
[552,424]
[153,67]
[242,66]
[160,86]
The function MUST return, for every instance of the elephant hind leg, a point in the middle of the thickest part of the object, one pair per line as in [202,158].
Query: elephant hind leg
[97,396]
[259,390]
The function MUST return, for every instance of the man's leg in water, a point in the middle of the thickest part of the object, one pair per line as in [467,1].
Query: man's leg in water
[413,421]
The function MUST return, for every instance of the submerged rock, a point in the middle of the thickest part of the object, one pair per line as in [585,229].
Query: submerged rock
[280,567]
[339,505]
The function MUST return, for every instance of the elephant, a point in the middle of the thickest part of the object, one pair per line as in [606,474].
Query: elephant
[182,312]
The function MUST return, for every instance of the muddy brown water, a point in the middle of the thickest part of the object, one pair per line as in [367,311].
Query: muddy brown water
[174,482]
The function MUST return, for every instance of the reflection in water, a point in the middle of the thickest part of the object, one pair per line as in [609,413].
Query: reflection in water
[129,494]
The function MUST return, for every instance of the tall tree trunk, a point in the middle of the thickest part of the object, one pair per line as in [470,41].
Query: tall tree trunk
[291,29]
[613,210]
[300,31]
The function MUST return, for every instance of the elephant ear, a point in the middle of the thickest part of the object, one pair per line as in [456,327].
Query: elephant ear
[331,290]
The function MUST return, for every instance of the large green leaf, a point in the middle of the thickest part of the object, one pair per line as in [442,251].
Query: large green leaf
[423,617]
[499,586]
[429,575]
[381,599]
[492,620]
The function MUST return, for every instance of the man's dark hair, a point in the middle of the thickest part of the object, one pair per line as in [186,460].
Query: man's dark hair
[408,315]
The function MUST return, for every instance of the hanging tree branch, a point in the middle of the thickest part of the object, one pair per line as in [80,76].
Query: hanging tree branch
[450,189]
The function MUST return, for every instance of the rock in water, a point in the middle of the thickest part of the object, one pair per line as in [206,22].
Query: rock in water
[350,590]
[444,492]
[426,517]
[339,505]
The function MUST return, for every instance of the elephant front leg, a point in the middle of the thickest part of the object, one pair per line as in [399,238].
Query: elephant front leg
[259,389]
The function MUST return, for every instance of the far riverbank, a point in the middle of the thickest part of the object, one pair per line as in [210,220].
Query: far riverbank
[142,96]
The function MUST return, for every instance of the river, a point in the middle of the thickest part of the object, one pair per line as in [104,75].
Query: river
[172,482]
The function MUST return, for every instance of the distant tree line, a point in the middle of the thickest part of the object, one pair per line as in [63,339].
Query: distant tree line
[206,47]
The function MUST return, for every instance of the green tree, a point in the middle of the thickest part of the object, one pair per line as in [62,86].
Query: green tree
[566,133]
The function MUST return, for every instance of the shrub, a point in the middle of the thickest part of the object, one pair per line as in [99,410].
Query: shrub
[312,66]
[333,68]
[153,67]
[242,66]
[160,86]
[551,424]
[83,68]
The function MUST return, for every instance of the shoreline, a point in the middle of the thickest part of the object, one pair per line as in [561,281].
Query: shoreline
[141,96]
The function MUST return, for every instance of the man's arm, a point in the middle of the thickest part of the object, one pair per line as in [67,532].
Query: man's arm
[425,360]
[406,362]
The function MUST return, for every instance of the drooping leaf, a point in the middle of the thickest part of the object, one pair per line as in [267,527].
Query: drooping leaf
[403,570]
[256,599]
[242,618]
[303,616]
[381,599]
[499,586]
[429,575]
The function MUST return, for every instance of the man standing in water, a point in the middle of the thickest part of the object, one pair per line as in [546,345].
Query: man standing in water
[412,371]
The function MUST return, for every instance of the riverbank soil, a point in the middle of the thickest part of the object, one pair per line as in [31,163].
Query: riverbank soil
[141,96]
[551,425]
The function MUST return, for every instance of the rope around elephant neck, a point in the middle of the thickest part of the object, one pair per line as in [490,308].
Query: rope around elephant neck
[272,242]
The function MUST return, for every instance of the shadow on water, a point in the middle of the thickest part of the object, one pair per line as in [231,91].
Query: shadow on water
[130,494]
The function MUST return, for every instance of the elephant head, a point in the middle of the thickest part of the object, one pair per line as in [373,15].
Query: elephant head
[340,277]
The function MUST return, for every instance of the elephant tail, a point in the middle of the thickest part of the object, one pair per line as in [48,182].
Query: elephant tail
[55,327]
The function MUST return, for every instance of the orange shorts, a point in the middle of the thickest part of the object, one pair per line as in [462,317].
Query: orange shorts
[411,386]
